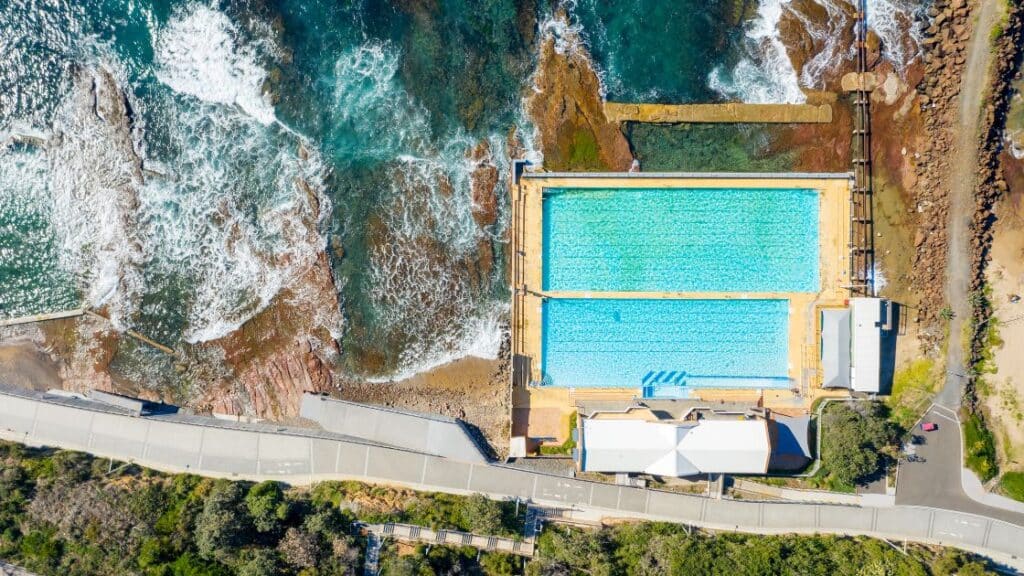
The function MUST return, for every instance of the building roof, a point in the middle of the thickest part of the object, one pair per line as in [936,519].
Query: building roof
[791,447]
[622,445]
[867,319]
[664,449]
[737,446]
[426,433]
[835,347]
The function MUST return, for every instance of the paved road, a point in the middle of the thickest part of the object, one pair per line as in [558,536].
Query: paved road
[962,179]
[936,482]
[268,452]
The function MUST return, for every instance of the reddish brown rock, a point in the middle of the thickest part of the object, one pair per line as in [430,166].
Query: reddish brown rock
[484,184]
[568,109]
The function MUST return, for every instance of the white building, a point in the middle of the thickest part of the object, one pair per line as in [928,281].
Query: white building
[738,446]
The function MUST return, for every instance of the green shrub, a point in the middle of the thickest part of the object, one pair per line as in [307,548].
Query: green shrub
[222,526]
[980,448]
[267,506]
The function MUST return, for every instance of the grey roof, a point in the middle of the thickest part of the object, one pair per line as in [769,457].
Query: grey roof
[791,449]
[835,347]
[426,433]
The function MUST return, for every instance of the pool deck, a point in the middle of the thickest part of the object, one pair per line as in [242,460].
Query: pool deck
[834,227]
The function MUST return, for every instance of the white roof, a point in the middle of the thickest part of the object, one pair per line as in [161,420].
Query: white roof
[865,371]
[736,446]
[662,449]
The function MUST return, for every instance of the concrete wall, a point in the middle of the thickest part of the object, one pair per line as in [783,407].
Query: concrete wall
[258,452]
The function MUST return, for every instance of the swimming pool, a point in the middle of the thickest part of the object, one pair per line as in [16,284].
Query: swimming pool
[681,239]
[665,344]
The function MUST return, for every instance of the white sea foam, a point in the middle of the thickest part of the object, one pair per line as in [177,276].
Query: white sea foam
[93,183]
[243,244]
[766,74]
[199,54]
[897,25]
[878,277]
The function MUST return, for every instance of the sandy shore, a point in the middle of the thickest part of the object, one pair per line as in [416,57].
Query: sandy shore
[22,365]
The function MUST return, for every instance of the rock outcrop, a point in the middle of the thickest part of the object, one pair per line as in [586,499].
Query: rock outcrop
[287,348]
[567,108]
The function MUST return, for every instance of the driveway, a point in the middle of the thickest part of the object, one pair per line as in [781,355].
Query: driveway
[936,482]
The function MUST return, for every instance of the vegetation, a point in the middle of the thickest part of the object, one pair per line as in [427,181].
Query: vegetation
[583,152]
[1012,484]
[565,447]
[979,448]
[912,391]
[653,548]
[857,441]
[379,504]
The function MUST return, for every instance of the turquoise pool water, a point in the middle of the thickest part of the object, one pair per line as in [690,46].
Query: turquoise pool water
[681,240]
[665,346]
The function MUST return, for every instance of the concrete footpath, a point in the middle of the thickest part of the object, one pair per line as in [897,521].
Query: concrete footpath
[200,445]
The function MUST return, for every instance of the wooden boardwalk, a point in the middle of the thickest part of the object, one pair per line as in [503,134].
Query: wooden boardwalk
[719,113]
[417,534]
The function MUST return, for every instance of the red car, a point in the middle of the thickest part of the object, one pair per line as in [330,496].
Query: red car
[929,426]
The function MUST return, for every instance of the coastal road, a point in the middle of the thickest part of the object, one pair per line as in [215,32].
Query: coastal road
[962,181]
[210,447]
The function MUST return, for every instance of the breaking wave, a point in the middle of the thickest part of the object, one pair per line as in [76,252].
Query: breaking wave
[198,54]
[421,284]
[766,74]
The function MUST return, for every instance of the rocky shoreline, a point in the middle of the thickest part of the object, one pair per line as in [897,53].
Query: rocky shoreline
[944,57]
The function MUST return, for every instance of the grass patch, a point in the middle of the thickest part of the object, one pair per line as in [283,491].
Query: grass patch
[1012,484]
[912,391]
[566,447]
[583,151]
[980,448]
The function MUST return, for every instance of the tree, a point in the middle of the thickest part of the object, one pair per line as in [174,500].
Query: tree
[267,506]
[482,515]
[300,549]
[221,526]
[259,562]
[855,441]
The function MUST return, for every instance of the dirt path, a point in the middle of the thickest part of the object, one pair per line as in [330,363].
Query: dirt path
[962,180]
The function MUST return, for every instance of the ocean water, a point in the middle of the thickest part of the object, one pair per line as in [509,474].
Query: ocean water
[665,344]
[373,106]
[681,240]
[656,51]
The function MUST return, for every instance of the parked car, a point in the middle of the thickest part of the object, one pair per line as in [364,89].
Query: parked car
[929,426]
